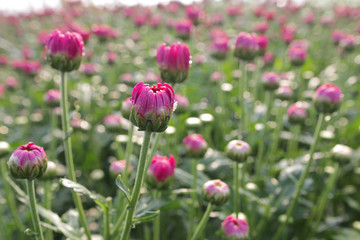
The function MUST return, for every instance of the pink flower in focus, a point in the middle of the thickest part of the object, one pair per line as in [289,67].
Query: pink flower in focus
[235,228]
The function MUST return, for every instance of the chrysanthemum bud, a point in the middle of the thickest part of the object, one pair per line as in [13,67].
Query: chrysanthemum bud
[235,229]
[173,62]
[161,171]
[220,47]
[216,192]
[297,113]
[28,162]
[183,28]
[152,106]
[270,80]
[297,55]
[246,46]
[182,104]
[284,93]
[64,50]
[327,98]
[118,167]
[237,150]
[126,108]
[113,123]
[341,152]
[195,145]
[52,98]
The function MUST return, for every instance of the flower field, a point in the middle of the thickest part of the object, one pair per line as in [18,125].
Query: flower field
[215,120]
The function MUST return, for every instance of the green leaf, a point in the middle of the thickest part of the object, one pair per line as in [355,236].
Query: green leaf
[98,199]
[29,232]
[145,216]
[120,184]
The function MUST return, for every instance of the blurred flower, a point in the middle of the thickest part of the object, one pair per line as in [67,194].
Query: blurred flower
[195,145]
[268,59]
[80,124]
[52,97]
[4,149]
[111,57]
[26,52]
[118,167]
[297,112]
[51,171]
[234,10]
[103,32]
[183,28]
[139,20]
[261,27]
[28,162]
[126,77]
[235,229]
[246,46]
[220,47]
[173,62]
[152,106]
[89,68]
[237,150]
[193,13]
[263,43]
[327,98]
[341,152]
[182,104]
[217,77]
[126,108]
[288,32]
[85,33]
[216,192]
[309,18]
[284,93]
[161,171]
[336,36]
[155,21]
[113,123]
[11,83]
[348,42]
[64,50]
[297,55]
[270,80]
[3,60]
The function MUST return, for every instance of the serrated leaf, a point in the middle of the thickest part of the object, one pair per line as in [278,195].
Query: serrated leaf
[77,187]
[145,216]
[120,184]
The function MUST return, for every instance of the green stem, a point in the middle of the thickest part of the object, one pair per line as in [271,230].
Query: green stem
[294,139]
[268,97]
[300,184]
[53,120]
[9,196]
[244,120]
[128,151]
[138,183]
[243,199]
[157,194]
[68,151]
[47,205]
[192,213]
[202,224]
[154,146]
[117,225]
[119,149]
[34,214]
[107,210]
[236,188]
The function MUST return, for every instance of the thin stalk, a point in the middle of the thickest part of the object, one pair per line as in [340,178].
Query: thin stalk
[236,188]
[9,196]
[128,151]
[268,97]
[47,205]
[300,184]
[119,150]
[244,119]
[294,139]
[117,226]
[53,122]
[192,213]
[202,224]
[157,194]
[34,214]
[107,210]
[138,183]
[154,146]
[68,151]
[243,199]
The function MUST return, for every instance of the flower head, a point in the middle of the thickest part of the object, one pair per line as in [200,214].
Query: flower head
[327,98]
[195,145]
[216,192]
[270,80]
[297,112]
[118,167]
[237,150]
[28,162]
[161,171]
[113,123]
[152,106]
[246,46]
[235,229]
[183,28]
[52,97]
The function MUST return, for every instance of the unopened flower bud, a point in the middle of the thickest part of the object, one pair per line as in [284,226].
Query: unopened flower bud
[297,113]
[161,171]
[216,192]
[237,150]
[270,81]
[327,98]
[246,46]
[195,145]
[341,152]
[235,229]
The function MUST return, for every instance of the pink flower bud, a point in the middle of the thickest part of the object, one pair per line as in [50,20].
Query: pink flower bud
[246,46]
[3,60]
[288,32]
[297,55]
[195,145]
[263,43]
[183,28]
[216,192]
[284,93]
[348,42]
[235,228]
[152,106]
[237,150]
[52,97]
[234,10]
[182,104]
[28,162]
[309,18]
[11,83]
[173,62]
[103,32]
[297,112]
[118,167]
[220,47]
[64,50]
[193,13]
[327,98]
[261,27]
[126,108]
[336,36]
[217,77]
[113,123]
[89,69]
[268,59]
[161,171]
[270,80]
[111,57]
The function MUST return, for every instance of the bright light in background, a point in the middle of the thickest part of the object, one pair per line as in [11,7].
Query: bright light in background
[15,6]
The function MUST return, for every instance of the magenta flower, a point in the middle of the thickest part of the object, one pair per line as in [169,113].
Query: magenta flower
[216,192]
[220,47]
[235,228]
[103,32]
[237,150]
[327,98]
[297,55]
[152,106]
[261,27]
[246,46]
[284,93]
[64,50]
[173,62]
[268,58]
[182,104]
[161,171]
[195,145]
[263,43]
[85,33]
[297,112]
[193,13]
[183,28]
[11,83]
[111,57]
[288,32]
[28,162]
[336,36]
[118,167]
[113,123]
[126,108]
[89,69]
[348,42]
[52,97]
[270,80]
